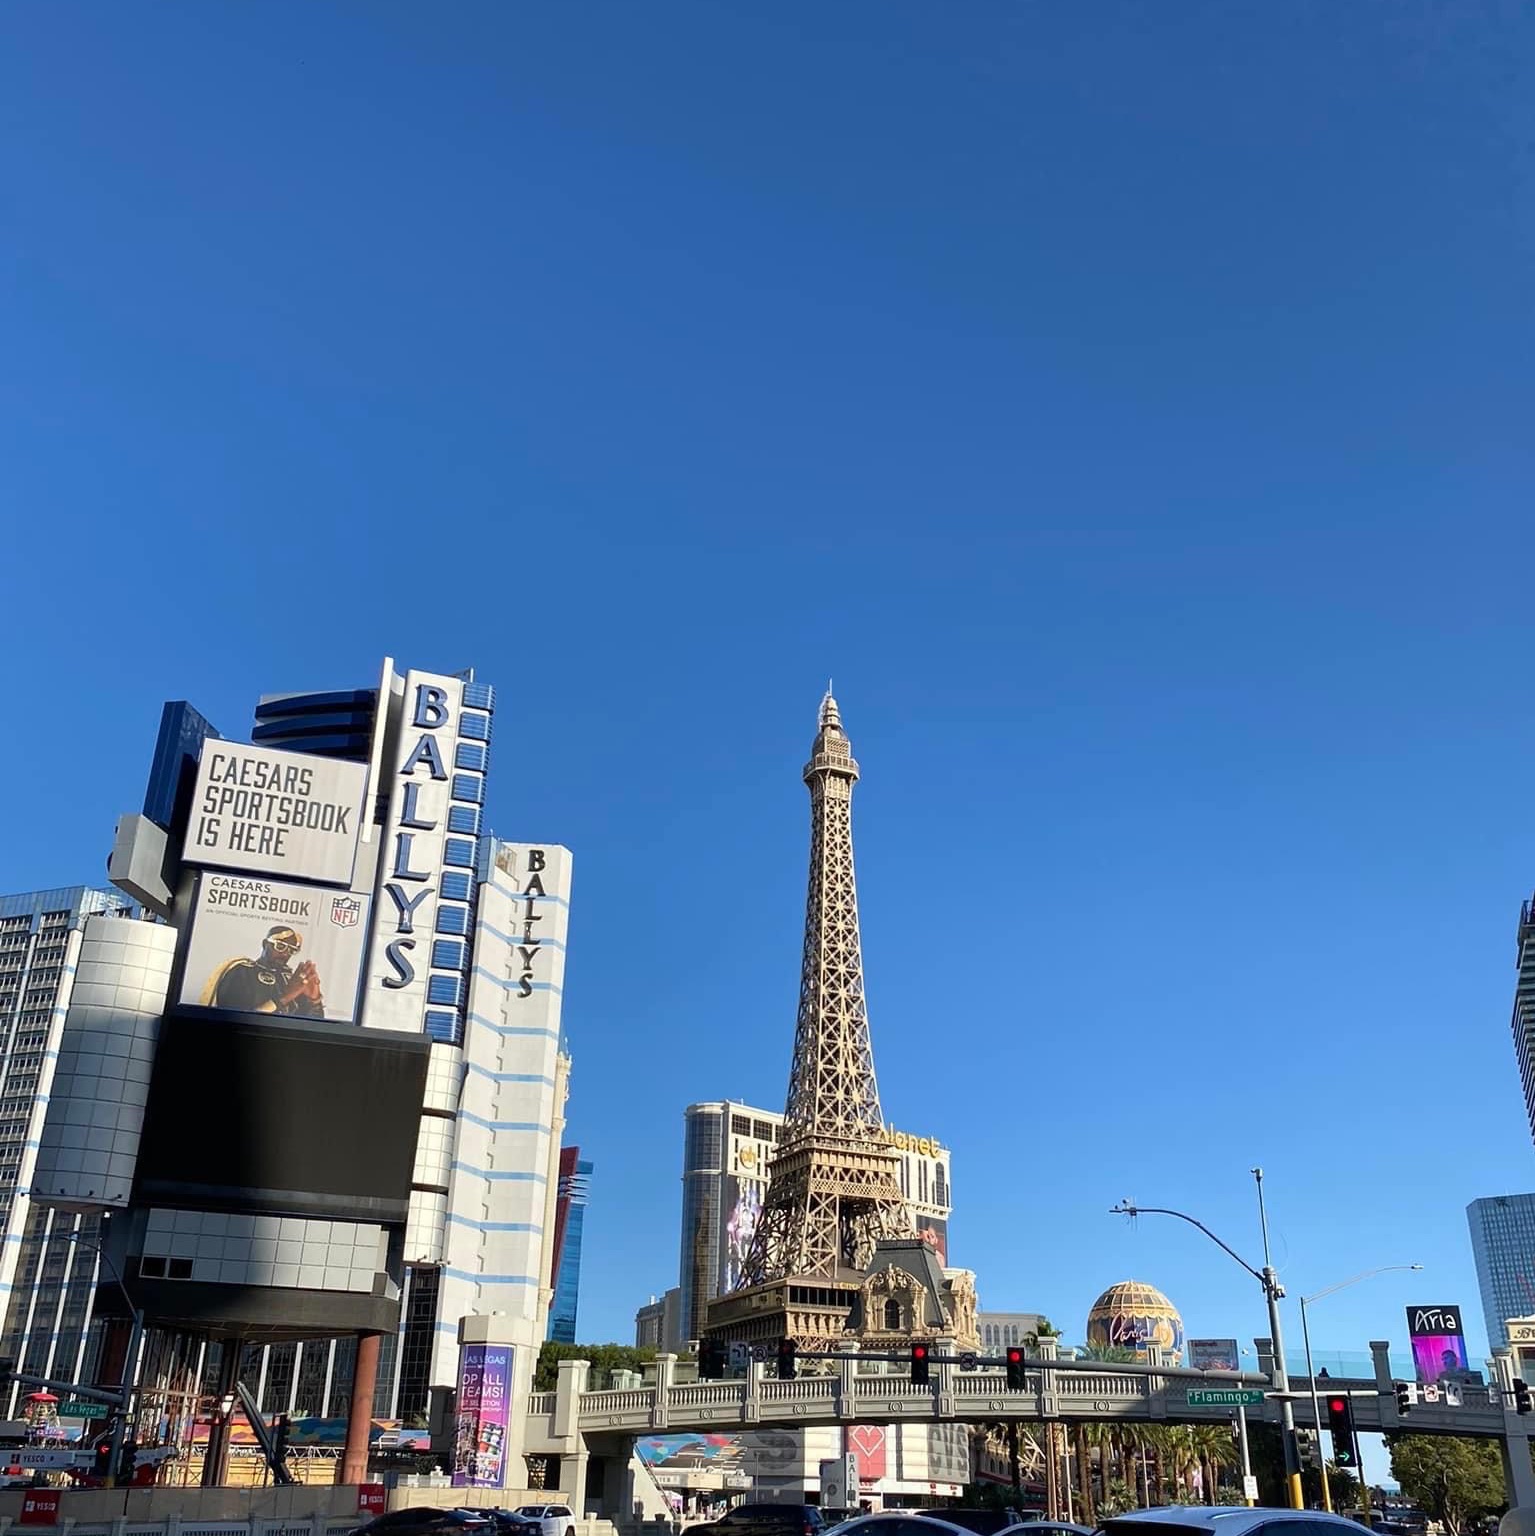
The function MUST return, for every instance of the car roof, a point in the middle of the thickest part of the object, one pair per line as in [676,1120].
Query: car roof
[1225,1518]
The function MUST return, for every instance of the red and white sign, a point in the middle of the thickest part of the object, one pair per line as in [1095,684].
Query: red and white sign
[867,1443]
[39,1506]
[371,1499]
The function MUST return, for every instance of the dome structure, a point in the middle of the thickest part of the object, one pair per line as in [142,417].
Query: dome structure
[1136,1316]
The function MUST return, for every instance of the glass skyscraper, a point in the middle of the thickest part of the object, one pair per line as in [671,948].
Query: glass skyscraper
[570,1219]
[48,1264]
[1503,1243]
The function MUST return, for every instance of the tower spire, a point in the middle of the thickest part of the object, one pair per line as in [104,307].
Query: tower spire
[832,1192]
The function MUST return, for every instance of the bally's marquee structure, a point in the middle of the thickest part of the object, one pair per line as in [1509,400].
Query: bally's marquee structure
[317,1093]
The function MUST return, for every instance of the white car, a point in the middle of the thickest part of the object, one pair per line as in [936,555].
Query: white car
[557,1519]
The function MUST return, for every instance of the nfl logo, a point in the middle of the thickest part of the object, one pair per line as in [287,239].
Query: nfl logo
[345,910]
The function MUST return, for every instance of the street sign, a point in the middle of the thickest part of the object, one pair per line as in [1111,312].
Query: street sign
[1250,1487]
[1224,1397]
[968,1361]
[78,1408]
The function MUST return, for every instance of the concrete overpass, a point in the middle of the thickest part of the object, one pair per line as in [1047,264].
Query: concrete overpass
[577,1425]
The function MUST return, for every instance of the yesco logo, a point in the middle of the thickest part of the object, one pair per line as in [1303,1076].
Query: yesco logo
[413,874]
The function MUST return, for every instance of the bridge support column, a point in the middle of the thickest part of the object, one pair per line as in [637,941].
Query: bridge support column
[847,1384]
[1518,1476]
[1380,1355]
[666,1368]
[751,1393]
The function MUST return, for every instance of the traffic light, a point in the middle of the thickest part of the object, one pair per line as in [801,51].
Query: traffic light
[919,1365]
[101,1459]
[1406,1396]
[788,1350]
[1521,1395]
[711,1360]
[280,1432]
[127,1461]
[1310,1451]
[1340,1420]
[1014,1363]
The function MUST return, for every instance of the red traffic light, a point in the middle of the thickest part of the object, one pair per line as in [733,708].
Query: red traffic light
[919,1351]
[1015,1355]
[1337,1405]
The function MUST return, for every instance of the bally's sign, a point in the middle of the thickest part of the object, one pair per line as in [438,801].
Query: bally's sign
[411,859]
[275,813]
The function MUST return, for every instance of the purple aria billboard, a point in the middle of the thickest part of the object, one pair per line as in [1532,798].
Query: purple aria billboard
[1438,1343]
[484,1406]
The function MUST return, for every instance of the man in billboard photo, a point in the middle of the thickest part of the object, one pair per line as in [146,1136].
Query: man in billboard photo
[269,984]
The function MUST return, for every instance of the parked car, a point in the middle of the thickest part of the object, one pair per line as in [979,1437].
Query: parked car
[554,1519]
[774,1520]
[984,1522]
[1227,1520]
[429,1522]
[993,1522]
[509,1523]
[907,1522]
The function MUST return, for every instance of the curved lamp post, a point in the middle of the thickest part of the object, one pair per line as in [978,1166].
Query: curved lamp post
[1316,1402]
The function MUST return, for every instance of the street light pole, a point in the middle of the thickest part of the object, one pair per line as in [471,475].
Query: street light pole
[130,1360]
[1272,1291]
[1316,1402]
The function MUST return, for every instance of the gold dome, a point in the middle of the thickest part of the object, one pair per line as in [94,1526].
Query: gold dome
[1135,1316]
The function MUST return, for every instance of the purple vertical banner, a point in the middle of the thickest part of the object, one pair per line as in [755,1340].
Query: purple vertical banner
[484,1410]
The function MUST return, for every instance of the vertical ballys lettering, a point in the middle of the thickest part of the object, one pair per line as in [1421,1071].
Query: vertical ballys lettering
[412,884]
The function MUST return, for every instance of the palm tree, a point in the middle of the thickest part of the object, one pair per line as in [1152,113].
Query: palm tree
[1110,1354]
[1085,1474]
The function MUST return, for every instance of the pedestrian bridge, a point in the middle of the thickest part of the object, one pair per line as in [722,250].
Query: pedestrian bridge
[855,1394]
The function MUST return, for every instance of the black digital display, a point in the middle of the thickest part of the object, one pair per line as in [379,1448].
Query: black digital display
[308,1119]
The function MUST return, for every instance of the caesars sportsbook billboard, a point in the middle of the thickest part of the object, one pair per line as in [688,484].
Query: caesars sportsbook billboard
[272,947]
[284,814]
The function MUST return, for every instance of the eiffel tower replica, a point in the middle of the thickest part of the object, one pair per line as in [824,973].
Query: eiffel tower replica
[833,1191]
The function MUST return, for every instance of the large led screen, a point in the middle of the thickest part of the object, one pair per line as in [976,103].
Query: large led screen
[304,1119]
[1438,1343]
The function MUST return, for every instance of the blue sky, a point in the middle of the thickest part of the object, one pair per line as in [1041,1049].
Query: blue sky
[1129,406]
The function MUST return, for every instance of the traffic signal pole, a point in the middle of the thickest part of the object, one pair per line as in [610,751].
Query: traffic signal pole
[1272,1291]
[1316,1407]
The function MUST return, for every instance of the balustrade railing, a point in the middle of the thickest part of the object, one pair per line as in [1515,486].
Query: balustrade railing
[704,1394]
[802,1389]
[625,1401]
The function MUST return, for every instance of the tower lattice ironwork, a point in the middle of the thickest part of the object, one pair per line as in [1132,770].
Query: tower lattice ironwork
[832,1187]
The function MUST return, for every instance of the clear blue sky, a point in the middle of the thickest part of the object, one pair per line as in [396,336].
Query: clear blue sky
[1130,405]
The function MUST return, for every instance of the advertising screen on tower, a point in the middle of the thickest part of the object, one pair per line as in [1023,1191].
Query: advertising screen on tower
[275,813]
[743,1211]
[265,946]
[1438,1343]
[1214,1355]
[934,1231]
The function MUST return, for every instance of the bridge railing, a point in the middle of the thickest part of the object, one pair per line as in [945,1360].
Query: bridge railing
[801,1389]
[708,1394]
[624,1401]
